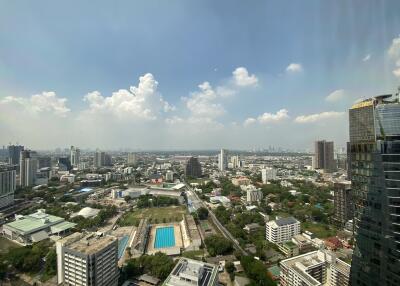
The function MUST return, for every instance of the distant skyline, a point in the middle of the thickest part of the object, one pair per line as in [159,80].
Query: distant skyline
[191,75]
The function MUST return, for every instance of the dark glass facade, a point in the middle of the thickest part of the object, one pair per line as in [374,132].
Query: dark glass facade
[375,176]
[193,168]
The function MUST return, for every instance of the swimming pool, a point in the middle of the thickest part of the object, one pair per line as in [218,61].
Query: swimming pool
[165,237]
[122,244]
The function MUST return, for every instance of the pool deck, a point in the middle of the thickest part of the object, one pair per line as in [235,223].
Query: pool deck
[168,250]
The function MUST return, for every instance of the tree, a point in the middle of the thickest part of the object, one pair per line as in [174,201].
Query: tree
[202,213]
[230,267]
[218,245]
[257,271]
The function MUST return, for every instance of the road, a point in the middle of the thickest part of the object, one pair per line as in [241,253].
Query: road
[197,203]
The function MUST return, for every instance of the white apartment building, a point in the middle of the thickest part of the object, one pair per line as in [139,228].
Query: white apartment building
[223,160]
[282,229]
[87,260]
[253,194]
[75,156]
[316,268]
[268,174]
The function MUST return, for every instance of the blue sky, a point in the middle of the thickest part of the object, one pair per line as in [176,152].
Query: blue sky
[291,56]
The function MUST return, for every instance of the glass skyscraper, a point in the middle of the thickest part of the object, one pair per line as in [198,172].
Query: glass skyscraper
[375,175]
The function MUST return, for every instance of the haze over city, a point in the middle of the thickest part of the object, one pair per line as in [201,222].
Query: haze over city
[208,143]
[191,75]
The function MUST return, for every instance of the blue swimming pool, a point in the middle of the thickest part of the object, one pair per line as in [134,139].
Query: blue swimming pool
[122,244]
[165,237]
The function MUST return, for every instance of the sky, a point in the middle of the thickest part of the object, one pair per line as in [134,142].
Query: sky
[187,74]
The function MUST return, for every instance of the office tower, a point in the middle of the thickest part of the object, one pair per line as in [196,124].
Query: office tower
[28,168]
[223,160]
[99,159]
[316,268]
[324,156]
[87,260]
[64,164]
[7,186]
[131,159]
[107,160]
[268,174]
[14,152]
[282,229]
[189,272]
[75,156]
[44,162]
[253,194]
[193,168]
[342,203]
[375,178]
[348,161]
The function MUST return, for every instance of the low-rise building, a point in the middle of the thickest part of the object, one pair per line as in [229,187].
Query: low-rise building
[189,272]
[289,248]
[282,229]
[251,228]
[36,227]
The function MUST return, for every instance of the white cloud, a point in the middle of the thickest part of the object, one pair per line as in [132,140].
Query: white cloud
[46,101]
[311,118]
[366,58]
[249,121]
[270,117]
[294,68]
[202,103]
[143,101]
[242,77]
[396,72]
[335,96]
[266,117]
[394,54]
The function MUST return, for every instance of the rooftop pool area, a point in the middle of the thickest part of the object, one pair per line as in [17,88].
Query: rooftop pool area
[165,237]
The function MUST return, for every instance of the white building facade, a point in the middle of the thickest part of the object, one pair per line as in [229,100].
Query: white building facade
[282,229]
[268,174]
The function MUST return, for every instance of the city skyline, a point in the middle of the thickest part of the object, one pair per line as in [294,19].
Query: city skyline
[132,76]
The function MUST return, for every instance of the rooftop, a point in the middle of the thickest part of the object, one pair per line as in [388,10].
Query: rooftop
[33,222]
[286,220]
[90,243]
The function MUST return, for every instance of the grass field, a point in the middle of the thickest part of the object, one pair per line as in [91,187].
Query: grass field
[6,244]
[155,215]
[320,230]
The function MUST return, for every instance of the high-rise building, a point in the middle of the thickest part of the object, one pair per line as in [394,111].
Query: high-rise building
[282,229]
[7,186]
[87,260]
[316,268]
[342,203]
[75,156]
[375,179]
[107,160]
[14,152]
[44,162]
[131,159]
[193,168]
[223,160]
[268,174]
[169,176]
[99,159]
[64,164]
[236,163]
[348,161]
[324,156]
[28,168]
